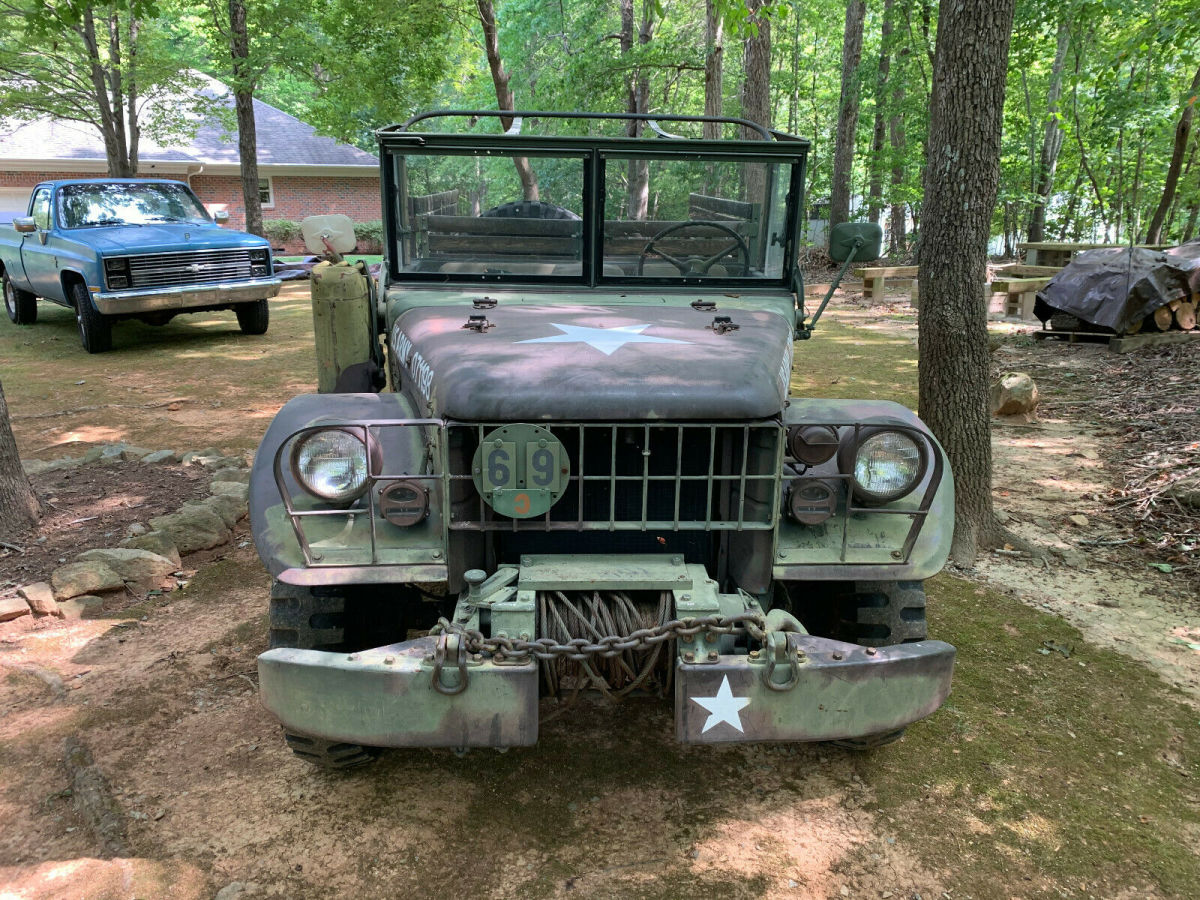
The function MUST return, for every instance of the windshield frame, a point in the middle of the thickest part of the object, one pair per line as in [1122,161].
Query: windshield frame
[789,155]
[65,190]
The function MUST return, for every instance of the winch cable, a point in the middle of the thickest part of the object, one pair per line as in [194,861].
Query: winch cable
[594,615]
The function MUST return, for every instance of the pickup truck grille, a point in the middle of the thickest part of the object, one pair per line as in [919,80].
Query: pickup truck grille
[193,267]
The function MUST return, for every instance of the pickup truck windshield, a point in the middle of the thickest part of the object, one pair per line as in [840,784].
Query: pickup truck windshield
[662,217]
[89,205]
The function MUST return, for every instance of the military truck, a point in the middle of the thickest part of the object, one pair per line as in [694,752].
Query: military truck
[588,471]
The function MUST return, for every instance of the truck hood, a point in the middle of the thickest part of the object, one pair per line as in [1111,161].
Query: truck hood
[593,363]
[134,240]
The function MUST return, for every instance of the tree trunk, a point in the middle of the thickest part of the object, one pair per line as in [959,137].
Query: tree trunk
[504,95]
[1052,140]
[756,93]
[1183,130]
[847,123]
[18,506]
[897,241]
[878,135]
[962,175]
[637,100]
[243,101]
[1190,228]
[714,56]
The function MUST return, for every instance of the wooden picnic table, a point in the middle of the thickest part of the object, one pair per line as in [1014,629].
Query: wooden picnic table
[1051,253]
[874,279]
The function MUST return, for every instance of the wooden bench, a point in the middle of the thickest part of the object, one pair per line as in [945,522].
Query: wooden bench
[475,237]
[1020,294]
[874,280]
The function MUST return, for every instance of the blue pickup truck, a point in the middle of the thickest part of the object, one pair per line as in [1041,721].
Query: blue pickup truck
[126,248]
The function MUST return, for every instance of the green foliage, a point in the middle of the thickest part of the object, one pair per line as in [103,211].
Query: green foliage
[281,230]
[369,233]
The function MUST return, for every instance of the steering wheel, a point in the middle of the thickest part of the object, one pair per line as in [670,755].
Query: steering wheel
[694,265]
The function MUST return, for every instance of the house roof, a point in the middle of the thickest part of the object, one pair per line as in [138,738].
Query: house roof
[284,144]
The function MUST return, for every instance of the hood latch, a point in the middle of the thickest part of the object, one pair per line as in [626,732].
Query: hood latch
[723,324]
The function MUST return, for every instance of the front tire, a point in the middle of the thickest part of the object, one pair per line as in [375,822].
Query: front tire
[879,614]
[95,329]
[334,620]
[20,305]
[253,317]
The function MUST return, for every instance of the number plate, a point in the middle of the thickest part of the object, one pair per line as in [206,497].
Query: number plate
[521,470]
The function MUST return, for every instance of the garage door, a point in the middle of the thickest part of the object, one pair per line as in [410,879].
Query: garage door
[13,202]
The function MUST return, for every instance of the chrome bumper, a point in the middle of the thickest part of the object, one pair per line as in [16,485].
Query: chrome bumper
[185,296]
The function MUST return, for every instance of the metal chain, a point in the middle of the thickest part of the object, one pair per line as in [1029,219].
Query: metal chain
[581,649]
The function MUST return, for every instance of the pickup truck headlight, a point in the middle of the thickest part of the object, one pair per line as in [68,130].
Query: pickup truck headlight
[883,464]
[259,262]
[116,273]
[331,464]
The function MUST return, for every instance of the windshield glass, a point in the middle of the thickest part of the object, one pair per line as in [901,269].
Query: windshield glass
[87,205]
[666,218]
[663,217]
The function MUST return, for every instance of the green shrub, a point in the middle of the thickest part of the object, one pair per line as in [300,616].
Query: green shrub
[280,230]
[369,234]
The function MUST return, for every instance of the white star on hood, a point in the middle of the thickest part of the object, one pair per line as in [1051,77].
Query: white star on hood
[723,708]
[606,340]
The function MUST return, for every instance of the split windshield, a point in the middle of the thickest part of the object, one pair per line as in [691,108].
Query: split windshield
[89,205]
[663,217]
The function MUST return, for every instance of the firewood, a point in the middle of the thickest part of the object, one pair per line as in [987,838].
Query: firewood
[1185,316]
[1163,318]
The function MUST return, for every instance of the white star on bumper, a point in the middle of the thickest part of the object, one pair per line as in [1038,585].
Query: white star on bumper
[723,708]
[606,340]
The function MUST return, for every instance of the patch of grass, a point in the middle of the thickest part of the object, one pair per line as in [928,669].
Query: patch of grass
[1043,770]
[844,362]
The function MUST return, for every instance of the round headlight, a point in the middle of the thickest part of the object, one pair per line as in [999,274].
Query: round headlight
[331,464]
[885,465]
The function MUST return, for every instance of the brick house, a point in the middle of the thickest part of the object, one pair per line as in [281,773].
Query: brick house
[300,173]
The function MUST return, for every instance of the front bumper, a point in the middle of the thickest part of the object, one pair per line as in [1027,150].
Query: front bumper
[183,297]
[430,692]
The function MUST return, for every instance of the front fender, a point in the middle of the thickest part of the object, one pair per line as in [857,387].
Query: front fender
[357,549]
[867,546]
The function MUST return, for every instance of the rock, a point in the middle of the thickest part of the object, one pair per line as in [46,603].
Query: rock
[63,462]
[40,598]
[228,473]
[136,529]
[132,454]
[161,456]
[237,890]
[230,509]
[84,578]
[1014,394]
[1186,491]
[231,489]
[35,466]
[131,563]
[222,462]
[79,607]
[92,455]
[112,454]
[193,528]
[157,542]
[13,608]
[1079,520]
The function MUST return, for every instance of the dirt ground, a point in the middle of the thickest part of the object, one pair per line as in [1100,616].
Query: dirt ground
[1047,774]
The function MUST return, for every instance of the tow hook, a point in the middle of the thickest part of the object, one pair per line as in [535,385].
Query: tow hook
[450,644]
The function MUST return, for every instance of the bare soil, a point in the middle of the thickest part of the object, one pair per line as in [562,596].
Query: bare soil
[92,506]
[1047,774]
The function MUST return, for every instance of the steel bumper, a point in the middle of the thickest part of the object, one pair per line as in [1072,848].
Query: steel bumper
[386,697]
[820,690]
[185,296]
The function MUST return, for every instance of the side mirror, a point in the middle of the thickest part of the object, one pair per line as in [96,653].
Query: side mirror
[221,217]
[857,241]
[25,225]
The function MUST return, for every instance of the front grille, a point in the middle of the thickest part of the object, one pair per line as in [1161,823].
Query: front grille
[639,477]
[192,267]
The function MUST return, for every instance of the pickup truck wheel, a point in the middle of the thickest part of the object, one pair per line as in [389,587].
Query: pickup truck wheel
[253,317]
[95,330]
[20,305]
